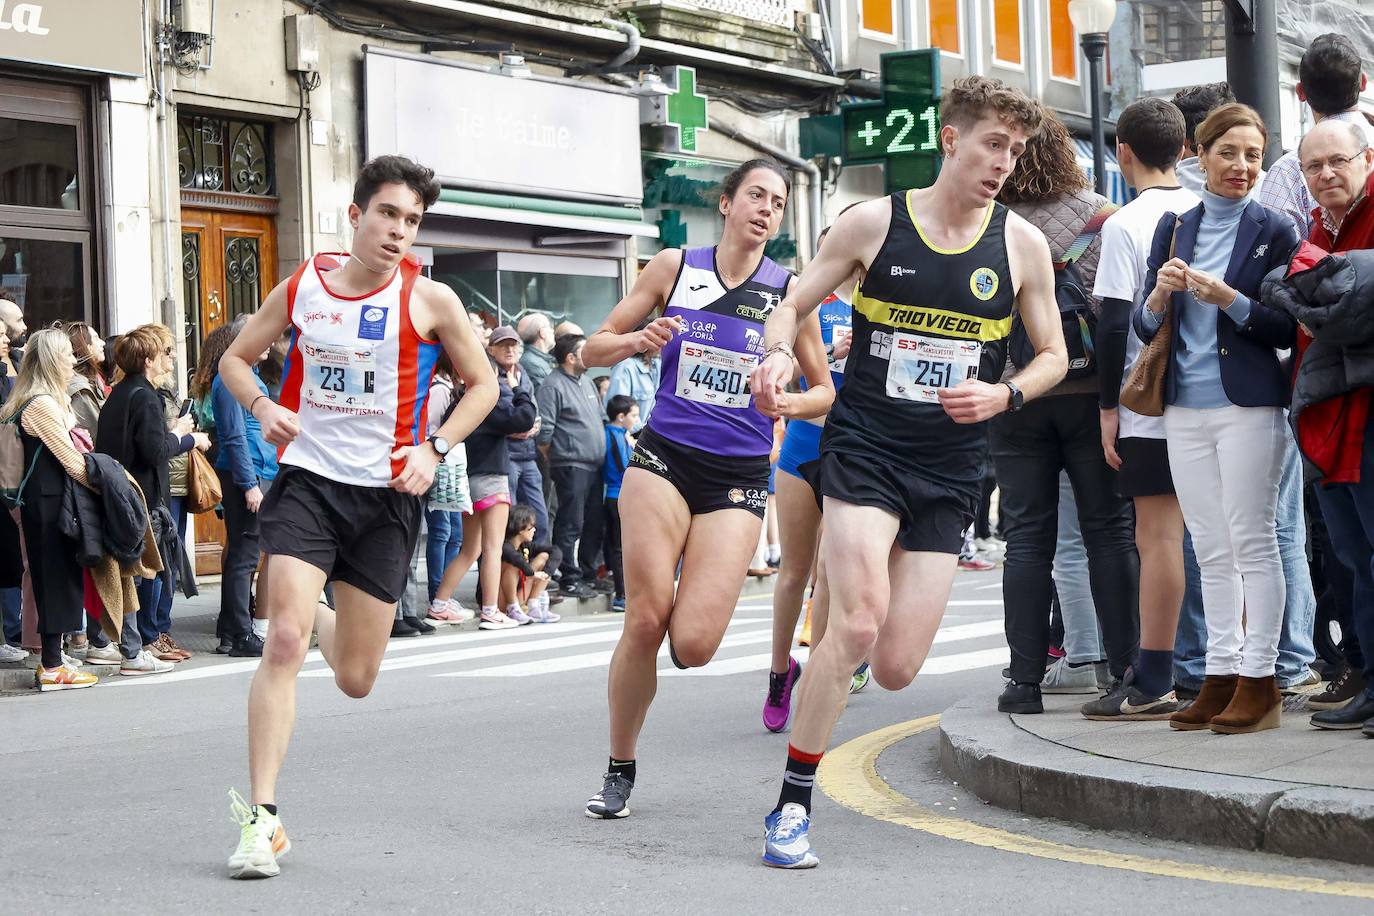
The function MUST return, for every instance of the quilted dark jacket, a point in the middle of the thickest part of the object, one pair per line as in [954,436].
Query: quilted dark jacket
[1334,300]
[110,518]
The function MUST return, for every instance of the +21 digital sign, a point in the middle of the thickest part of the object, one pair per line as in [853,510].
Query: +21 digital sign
[902,131]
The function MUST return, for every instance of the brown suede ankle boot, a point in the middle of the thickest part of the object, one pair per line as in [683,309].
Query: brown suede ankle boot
[1215,695]
[1255,707]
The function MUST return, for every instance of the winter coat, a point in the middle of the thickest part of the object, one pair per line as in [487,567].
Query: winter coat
[1332,295]
[488,452]
[524,449]
[110,518]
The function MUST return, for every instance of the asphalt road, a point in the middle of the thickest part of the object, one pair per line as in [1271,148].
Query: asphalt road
[458,787]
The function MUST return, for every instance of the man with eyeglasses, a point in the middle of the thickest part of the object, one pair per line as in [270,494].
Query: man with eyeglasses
[1330,80]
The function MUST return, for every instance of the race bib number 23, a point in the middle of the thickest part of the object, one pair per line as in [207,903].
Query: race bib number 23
[919,366]
[341,377]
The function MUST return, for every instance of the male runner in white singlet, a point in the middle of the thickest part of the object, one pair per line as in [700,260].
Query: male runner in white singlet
[366,330]
[904,448]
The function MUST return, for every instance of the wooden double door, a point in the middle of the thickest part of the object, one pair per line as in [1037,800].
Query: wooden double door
[229,265]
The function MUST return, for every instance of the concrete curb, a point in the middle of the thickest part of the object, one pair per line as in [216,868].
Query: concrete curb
[1011,768]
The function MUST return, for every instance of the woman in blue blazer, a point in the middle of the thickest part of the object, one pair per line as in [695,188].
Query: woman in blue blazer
[1224,398]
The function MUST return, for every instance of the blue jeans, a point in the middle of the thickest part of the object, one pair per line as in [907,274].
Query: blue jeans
[441,544]
[162,619]
[527,489]
[1190,642]
[1082,638]
[149,596]
[12,603]
[1296,650]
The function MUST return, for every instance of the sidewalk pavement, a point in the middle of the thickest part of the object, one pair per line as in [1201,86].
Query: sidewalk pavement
[1295,791]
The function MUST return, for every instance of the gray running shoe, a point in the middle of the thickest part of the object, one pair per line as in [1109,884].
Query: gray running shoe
[613,801]
[1061,678]
[1127,703]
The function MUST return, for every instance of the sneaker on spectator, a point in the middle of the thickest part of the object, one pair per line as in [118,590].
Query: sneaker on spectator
[580,590]
[225,646]
[400,627]
[249,646]
[514,613]
[1348,684]
[107,654]
[63,677]
[1311,685]
[493,619]
[161,651]
[173,645]
[604,586]
[442,613]
[618,604]
[419,625]
[976,563]
[70,662]
[1061,677]
[1126,702]
[11,655]
[144,663]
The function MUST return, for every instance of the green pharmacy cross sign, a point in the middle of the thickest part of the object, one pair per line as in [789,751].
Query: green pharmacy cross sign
[902,131]
[682,111]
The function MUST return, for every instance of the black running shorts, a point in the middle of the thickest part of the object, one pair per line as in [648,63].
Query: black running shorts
[1144,468]
[364,536]
[932,517]
[706,481]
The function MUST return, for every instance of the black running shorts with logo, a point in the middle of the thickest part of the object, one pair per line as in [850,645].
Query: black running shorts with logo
[931,517]
[363,536]
[1144,467]
[706,481]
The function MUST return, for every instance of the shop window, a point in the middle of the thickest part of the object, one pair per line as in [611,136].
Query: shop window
[682,196]
[944,26]
[46,273]
[878,16]
[1063,42]
[1007,31]
[502,286]
[40,164]
[223,154]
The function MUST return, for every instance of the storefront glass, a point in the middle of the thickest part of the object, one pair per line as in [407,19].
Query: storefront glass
[682,197]
[46,277]
[40,164]
[580,290]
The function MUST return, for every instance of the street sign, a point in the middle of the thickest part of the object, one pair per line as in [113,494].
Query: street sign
[902,130]
[682,111]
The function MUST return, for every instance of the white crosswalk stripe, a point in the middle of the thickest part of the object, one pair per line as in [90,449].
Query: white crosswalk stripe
[579,645]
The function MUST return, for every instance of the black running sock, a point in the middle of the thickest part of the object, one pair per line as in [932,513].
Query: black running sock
[1154,671]
[798,778]
[625,768]
[270,809]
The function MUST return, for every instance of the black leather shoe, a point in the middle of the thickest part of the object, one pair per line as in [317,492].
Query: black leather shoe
[1022,698]
[249,646]
[226,645]
[401,628]
[1358,713]
[419,625]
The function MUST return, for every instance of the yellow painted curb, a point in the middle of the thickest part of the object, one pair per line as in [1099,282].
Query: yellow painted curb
[849,775]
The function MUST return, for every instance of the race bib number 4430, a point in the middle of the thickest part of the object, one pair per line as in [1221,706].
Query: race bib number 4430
[340,377]
[919,366]
[711,375]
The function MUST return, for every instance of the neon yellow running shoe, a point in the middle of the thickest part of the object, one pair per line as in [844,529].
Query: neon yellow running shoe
[262,840]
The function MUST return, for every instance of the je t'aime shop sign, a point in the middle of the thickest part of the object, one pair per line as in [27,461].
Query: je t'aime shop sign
[488,131]
[101,35]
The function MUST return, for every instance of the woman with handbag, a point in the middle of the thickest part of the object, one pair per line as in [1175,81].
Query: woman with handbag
[134,430]
[1223,397]
[45,422]
[246,465]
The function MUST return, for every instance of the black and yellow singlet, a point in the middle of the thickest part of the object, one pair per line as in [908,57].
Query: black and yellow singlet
[924,318]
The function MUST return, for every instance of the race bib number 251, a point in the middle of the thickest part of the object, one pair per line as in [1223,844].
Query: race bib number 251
[919,366]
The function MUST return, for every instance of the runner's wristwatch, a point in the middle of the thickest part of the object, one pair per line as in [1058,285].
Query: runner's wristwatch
[440,445]
[1018,399]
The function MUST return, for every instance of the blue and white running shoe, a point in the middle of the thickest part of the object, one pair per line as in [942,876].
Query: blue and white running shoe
[784,839]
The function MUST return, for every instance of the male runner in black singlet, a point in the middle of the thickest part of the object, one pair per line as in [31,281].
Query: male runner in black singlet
[903,452]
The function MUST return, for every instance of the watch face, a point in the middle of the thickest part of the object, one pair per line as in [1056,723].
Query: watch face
[440,445]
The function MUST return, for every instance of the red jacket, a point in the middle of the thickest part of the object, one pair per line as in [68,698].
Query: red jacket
[1331,434]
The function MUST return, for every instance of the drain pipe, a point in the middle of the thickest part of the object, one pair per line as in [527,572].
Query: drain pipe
[631,49]
[163,87]
[812,172]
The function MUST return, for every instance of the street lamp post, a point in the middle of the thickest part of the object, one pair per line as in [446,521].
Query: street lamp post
[1093,19]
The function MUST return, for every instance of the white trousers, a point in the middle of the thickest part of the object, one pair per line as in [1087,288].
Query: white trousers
[1227,463]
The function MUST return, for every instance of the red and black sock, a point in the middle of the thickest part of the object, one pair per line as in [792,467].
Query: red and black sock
[798,778]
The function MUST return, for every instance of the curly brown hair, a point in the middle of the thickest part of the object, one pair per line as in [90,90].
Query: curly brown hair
[1047,169]
[973,98]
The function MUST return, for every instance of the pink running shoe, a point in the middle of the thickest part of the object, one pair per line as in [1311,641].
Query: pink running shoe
[442,613]
[777,708]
